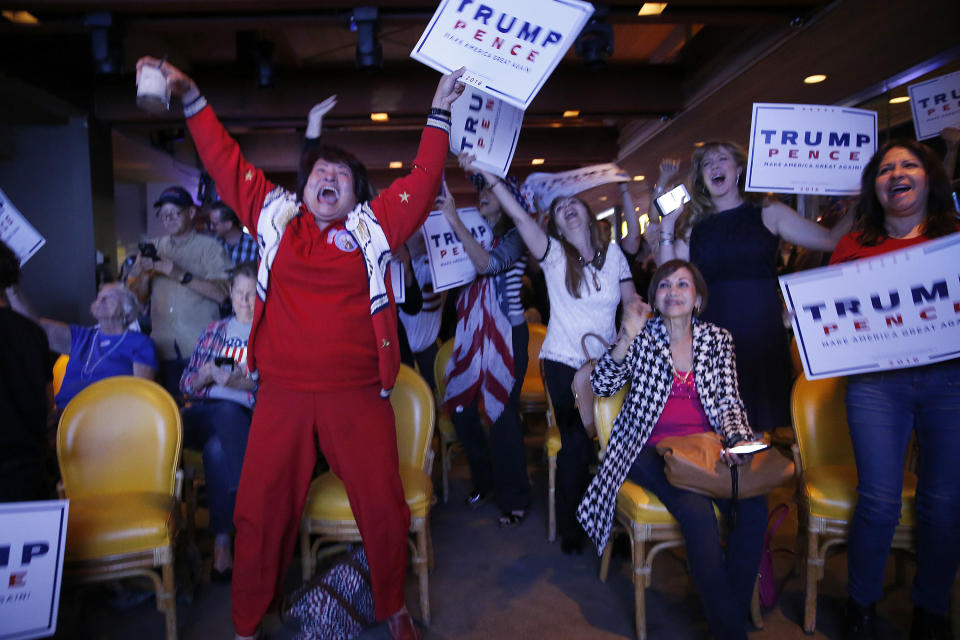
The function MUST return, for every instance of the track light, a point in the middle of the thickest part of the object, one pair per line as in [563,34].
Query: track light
[595,43]
[365,21]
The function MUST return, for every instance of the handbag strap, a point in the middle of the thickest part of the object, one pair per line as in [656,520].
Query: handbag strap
[583,343]
[779,512]
[345,604]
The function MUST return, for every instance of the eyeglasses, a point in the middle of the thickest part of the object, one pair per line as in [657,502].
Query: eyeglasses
[163,217]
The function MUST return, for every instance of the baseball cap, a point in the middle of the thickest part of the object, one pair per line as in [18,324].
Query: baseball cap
[174,195]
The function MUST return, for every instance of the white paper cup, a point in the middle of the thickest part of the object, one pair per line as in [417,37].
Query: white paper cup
[152,92]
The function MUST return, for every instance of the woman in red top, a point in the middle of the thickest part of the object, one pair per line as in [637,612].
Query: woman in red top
[324,341]
[904,200]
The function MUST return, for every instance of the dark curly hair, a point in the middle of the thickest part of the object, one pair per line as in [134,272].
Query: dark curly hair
[9,267]
[941,218]
[362,188]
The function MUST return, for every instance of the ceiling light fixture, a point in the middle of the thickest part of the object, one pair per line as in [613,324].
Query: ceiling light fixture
[652,8]
[814,79]
[379,116]
[595,42]
[639,178]
[536,161]
[365,21]
[571,113]
[899,99]
[396,164]
[20,17]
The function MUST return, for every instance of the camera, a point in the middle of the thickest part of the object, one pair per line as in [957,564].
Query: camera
[148,250]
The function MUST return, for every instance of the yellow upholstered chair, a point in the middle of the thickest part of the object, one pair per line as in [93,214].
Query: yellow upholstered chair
[645,520]
[59,369]
[119,447]
[327,513]
[533,395]
[445,429]
[827,480]
[551,446]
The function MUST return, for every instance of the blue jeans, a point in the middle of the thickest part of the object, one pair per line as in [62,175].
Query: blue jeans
[724,580]
[218,428]
[883,410]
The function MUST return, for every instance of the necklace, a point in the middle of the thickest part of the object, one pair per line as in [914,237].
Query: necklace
[87,370]
[593,272]
[682,378]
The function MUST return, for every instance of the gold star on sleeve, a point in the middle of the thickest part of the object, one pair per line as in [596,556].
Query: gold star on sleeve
[404,197]
[248,176]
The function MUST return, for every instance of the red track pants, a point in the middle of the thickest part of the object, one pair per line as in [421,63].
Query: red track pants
[357,434]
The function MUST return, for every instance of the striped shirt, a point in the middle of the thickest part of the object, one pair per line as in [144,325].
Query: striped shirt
[508,260]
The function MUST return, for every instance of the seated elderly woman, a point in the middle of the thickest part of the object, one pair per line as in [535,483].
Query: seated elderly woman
[220,389]
[683,380]
[109,348]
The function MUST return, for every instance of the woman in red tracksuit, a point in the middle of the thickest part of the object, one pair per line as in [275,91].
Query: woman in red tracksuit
[324,342]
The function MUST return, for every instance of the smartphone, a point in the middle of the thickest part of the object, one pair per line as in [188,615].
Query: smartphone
[223,361]
[672,200]
[148,250]
[748,447]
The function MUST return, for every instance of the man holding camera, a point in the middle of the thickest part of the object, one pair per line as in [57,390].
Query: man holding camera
[184,276]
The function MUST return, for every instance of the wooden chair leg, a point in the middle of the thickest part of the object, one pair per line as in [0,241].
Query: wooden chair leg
[306,557]
[420,564]
[167,601]
[812,571]
[756,614]
[640,579]
[605,559]
[551,498]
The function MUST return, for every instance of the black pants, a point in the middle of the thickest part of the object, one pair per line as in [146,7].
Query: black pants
[576,449]
[507,475]
[425,360]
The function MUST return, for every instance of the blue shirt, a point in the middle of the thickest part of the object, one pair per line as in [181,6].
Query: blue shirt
[95,356]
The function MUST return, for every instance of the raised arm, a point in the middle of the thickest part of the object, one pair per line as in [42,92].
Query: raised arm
[479,256]
[58,333]
[795,229]
[631,243]
[403,207]
[239,183]
[533,236]
[661,236]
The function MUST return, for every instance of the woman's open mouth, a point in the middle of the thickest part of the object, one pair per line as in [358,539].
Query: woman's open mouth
[328,194]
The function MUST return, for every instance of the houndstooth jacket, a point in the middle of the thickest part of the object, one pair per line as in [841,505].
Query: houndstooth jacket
[648,366]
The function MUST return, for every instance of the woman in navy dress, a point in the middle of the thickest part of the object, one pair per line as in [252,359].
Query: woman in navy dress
[732,237]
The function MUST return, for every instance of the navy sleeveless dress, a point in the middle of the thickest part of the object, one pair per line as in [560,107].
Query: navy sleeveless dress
[737,255]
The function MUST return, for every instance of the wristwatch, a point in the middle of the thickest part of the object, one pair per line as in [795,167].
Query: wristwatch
[187,277]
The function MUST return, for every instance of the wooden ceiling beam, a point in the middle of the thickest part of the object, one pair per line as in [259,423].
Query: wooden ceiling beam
[632,92]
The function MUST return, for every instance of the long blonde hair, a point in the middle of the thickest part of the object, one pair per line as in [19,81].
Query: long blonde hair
[599,240]
[701,204]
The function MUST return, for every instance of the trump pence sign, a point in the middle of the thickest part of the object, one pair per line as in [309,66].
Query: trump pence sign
[509,48]
[900,309]
[809,148]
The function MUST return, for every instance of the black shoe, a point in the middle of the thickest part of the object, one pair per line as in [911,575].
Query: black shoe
[860,622]
[476,499]
[929,626]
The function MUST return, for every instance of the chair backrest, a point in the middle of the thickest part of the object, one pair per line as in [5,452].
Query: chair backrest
[119,435]
[59,369]
[605,411]
[440,367]
[820,421]
[537,333]
[416,414]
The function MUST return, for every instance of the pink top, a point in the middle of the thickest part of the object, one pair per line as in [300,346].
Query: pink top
[683,413]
